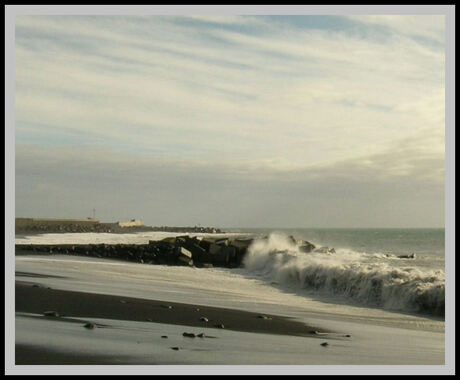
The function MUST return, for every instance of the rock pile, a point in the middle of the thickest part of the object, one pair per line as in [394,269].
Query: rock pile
[181,250]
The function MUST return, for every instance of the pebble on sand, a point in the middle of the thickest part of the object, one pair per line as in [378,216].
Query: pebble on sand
[325,344]
[189,335]
[51,313]
[263,317]
[175,348]
[89,325]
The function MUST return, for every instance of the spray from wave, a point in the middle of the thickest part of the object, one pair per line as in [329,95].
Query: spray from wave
[365,278]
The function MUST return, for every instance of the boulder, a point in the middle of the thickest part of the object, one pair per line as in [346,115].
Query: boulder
[305,246]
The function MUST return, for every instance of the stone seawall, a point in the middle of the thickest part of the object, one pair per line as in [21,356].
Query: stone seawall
[180,250]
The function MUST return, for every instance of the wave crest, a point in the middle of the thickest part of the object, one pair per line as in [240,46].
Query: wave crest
[365,278]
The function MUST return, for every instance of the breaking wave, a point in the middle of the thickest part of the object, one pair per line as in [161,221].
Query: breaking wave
[369,279]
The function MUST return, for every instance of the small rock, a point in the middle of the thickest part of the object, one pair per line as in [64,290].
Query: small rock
[164,336]
[175,348]
[189,335]
[325,344]
[200,335]
[51,314]
[204,319]
[89,325]
[347,336]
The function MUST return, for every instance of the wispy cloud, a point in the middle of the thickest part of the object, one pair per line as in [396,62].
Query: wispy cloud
[245,96]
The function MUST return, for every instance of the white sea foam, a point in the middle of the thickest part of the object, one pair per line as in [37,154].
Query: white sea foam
[369,279]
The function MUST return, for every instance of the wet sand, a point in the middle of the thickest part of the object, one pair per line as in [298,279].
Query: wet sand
[80,307]
[32,298]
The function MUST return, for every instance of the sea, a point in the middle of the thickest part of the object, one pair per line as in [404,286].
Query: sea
[398,270]
[393,269]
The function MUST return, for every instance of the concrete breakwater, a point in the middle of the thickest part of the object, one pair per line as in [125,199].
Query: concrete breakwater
[38,225]
[181,250]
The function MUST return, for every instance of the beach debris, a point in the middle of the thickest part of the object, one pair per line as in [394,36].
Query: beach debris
[89,325]
[189,335]
[220,326]
[164,336]
[175,348]
[51,313]
[325,344]
[204,319]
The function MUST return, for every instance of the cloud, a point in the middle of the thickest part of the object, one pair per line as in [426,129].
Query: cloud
[230,100]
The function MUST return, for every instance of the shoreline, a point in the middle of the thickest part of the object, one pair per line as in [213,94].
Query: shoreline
[81,308]
[36,299]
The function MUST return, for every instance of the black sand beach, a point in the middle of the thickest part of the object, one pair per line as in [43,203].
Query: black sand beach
[37,300]
[80,307]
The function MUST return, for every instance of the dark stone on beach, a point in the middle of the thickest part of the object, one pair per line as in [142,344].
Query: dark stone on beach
[263,317]
[411,256]
[164,336]
[200,335]
[189,335]
[175,348]
[220,326]
[51,313]
[325,344]
[347,336]
[204,319]
[89,325]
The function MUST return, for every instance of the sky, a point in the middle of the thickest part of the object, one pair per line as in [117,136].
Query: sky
[232,121]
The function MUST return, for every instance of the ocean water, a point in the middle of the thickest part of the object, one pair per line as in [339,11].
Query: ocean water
[364,271]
